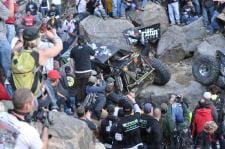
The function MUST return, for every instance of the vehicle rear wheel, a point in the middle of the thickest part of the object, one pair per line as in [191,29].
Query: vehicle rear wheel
[205,69]
[162,73]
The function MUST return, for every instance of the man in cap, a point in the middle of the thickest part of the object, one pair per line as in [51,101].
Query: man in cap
[31,40]
[62,94]
[128,131]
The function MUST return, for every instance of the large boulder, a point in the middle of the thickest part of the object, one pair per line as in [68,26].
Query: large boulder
[210,45]
[180,42]
[152,14]
[67,132]
[107,32]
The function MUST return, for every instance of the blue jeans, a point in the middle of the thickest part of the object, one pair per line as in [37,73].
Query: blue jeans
[116,8]
[10,32]
[5,56]
[214,26]
[44,11]
[207,13]
[174,13]
[197,7]
[125,6]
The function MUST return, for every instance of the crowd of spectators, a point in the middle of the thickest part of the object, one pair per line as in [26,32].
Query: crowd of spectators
[30,58]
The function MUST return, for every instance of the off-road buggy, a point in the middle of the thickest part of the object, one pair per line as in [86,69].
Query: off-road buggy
[210,70]
[129,67]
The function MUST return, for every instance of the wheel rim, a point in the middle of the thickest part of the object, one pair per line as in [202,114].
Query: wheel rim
[204,70]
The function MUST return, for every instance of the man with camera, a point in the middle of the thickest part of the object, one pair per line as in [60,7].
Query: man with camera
[16,132]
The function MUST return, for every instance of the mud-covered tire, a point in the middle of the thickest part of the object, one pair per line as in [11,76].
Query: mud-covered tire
[205,69]
[221,82]
[162,73]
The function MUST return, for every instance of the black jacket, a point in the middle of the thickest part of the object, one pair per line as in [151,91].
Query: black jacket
[151,131]
[128,131]
[81,56]
[108,127]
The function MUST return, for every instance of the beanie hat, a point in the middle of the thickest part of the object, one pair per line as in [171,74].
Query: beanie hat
[147,108]
[53,74]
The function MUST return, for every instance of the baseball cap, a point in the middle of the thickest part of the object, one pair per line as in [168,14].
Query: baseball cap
[30,33]
[92,79]
[54,74]
[147,107]
[110,80]
[207,95]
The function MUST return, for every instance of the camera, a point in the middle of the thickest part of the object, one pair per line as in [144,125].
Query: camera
[43,115]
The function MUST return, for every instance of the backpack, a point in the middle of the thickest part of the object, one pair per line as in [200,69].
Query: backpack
[177,113]
[25,71]
[89,100]
[201,116]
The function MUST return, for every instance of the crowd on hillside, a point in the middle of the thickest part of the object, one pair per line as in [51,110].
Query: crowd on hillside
[34,77]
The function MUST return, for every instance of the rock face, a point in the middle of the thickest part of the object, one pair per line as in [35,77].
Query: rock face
[210,45]
[181,82]
[107,32]
[67,132]
[180,42]
[152,14]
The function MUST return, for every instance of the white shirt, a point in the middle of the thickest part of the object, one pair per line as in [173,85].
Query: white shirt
[28,136]
[57,2]
[81,6]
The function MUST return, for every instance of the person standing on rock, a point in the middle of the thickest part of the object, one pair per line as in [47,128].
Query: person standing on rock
[15,128]
[80,59]
[174,13]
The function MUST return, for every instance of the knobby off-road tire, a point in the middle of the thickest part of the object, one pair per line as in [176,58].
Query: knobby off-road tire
[162,73]
[205,69]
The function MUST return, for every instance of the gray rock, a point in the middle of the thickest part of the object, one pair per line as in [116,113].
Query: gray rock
[210,45]
[152,14]
[108,32]
[180,42]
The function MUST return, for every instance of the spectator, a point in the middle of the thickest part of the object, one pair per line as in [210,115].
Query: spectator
[10,22]
[116,8]
[81,6]
[32,7]
[82,65]
[28,20]
[128,131]
[168,126]
[214,26]
[61,93]
[53,11]
[203,140]
[84,114]
[188,14]
[4,44]
[174,13]
[108,126]
[53,22]
[97,86]
[99,9]
[207,11]
[30,40]
[202,114]
[58,5]
[16,123]
[44,7]
[127,4]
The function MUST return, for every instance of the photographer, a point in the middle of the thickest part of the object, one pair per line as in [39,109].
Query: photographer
[16,129]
